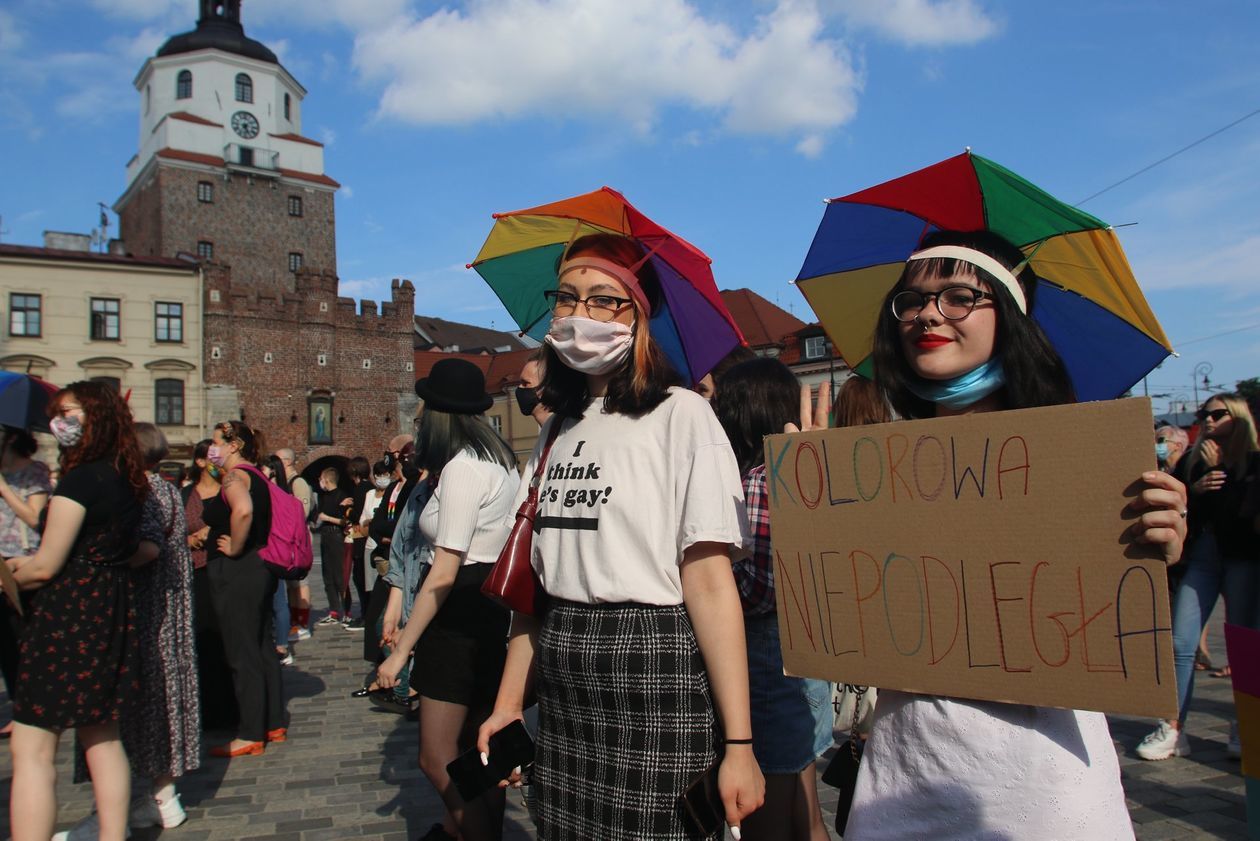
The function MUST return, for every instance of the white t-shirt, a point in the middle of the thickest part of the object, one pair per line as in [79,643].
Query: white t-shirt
[622,498]
[471,508]
[959,770]
[370,504]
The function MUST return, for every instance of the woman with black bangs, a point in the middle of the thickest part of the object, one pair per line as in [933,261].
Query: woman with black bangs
[639,660]
[954,337]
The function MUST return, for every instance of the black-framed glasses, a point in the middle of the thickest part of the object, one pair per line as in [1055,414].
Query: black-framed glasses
[954,302]
[1217,415]
[598,307]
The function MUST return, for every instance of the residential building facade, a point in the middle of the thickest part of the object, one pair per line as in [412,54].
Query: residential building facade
[133,322]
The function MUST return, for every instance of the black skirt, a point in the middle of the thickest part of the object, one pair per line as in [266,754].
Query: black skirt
[460,656]
[625,721]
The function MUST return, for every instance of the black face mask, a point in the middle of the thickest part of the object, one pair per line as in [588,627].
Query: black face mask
[411,472]
[527,399]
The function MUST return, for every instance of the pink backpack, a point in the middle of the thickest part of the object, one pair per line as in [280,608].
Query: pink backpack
[288,551]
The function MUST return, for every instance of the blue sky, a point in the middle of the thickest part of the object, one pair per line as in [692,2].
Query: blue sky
[728,122]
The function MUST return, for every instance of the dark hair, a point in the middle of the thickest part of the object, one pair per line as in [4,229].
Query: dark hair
[644,378]
[444,435]
[251,439]
[200,451]
[273,463]
[755,399]
[153,445]
[380,468]
[741,353]
[20,441]
[860,402]
[359,468]
[1035,375]
[107,433]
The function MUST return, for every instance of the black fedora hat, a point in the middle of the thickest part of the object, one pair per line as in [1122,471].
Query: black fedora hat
[455,385]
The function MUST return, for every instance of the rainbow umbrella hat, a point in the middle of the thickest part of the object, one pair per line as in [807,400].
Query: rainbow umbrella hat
[520,257]
[1087,300]
[24,401]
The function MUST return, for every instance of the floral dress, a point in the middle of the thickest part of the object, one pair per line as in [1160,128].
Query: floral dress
[77,655]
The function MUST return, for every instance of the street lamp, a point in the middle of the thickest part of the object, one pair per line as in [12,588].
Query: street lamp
[1179,397]
[1200,370]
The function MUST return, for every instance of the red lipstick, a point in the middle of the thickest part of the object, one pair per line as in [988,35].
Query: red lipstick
[930,341]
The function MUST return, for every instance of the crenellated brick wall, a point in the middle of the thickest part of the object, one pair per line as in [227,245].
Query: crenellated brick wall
[245,328]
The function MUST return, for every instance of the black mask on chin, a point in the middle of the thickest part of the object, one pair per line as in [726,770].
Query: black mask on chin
[527,399]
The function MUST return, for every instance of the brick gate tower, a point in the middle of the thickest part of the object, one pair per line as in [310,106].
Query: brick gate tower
[224,173]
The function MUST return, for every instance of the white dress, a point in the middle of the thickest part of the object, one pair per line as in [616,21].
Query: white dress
[945,769]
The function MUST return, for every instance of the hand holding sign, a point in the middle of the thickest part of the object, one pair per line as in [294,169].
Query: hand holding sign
[1162,509]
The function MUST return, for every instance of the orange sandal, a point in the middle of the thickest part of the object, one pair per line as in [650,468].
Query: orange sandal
[247,749]
[280,734]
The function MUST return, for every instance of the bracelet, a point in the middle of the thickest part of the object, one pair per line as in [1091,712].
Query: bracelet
[737,741]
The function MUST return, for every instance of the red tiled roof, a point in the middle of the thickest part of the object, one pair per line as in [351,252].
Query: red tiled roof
[192,157]
[761,322]
[214,160]
[501,370]
[193,118]
[309,176]
[37,253]
[297,138]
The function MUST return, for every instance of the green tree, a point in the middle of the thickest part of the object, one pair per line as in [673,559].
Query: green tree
[1249,389]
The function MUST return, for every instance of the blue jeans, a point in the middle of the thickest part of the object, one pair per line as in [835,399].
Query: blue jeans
[280,611]
[1209,576]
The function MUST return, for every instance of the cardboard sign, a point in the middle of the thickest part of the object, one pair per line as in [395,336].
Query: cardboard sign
[981,556]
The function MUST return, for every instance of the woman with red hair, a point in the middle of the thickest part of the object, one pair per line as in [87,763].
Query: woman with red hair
[77,652]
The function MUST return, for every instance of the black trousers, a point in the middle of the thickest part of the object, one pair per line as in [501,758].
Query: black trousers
[358,574]
[242,589]
[218,697]
[372,622]
[332,551]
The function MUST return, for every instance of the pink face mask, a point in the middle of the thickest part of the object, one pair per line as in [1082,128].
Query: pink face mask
[590,346]
[215,455]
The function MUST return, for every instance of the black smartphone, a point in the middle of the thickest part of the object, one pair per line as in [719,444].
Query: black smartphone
[510,747]
[702,810]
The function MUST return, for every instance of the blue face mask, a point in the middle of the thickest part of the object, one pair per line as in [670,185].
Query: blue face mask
[963,390]
[1161,451]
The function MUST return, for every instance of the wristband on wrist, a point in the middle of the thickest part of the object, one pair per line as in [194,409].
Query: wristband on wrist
[737,741]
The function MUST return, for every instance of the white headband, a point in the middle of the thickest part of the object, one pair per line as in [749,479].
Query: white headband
[1000,273]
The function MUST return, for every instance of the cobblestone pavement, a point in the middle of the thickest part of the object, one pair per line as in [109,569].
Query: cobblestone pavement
[349,771]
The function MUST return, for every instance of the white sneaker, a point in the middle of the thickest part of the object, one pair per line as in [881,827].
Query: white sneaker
[1234,748]
[172,810]
[88,829]
[1164,742]
[298,633]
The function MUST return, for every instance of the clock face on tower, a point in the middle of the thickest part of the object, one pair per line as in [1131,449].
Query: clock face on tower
[245,124]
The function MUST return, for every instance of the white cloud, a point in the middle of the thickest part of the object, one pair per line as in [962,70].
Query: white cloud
[11,36]
[346,191]
[588,59]
[1231,265]
[327,136]
[919,22]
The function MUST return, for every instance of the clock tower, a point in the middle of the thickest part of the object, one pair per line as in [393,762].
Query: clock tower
[223,170]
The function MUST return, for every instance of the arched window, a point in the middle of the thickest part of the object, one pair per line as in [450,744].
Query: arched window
[287,107]
[244,88]
[183,85]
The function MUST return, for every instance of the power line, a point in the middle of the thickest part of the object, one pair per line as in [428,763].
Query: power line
[1216,335]
[1167,158]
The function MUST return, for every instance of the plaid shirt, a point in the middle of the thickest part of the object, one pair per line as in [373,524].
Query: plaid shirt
[754,575]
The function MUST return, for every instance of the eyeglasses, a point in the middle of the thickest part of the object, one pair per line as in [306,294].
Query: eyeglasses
[1216,414]
[953,302]
[598,307]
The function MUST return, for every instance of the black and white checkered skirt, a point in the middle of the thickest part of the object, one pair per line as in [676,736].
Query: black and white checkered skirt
[625,721]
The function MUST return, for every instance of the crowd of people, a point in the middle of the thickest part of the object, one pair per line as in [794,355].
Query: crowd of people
[654,660]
